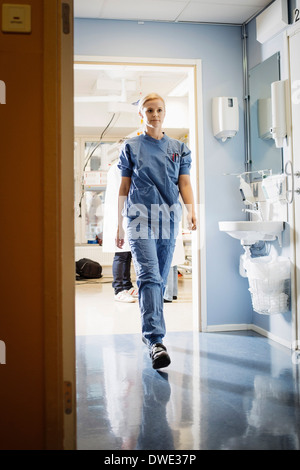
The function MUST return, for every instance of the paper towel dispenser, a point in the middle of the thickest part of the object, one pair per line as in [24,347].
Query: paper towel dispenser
[279,128]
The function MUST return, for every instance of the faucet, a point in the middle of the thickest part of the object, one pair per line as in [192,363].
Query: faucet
[256,210]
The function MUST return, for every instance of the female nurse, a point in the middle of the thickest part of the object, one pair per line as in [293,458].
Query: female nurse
[155,169]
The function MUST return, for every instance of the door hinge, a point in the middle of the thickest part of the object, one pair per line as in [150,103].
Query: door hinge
[68,400]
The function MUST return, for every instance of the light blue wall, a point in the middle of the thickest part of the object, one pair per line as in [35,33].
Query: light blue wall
[278,325]
[220,49]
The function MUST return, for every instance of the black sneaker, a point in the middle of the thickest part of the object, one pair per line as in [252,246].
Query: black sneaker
[159,355]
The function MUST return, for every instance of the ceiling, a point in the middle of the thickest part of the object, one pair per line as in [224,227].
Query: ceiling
[105,90]
[199,11]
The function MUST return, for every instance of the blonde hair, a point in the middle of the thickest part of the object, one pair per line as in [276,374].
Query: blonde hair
[149,97]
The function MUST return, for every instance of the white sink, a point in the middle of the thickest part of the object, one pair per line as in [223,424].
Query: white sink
[252,231]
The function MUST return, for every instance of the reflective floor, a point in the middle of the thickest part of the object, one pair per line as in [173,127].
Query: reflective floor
[233,390]
[222,391]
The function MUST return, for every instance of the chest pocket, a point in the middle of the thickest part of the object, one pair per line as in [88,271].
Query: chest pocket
[173,165]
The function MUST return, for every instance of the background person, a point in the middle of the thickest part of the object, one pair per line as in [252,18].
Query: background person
[124,291]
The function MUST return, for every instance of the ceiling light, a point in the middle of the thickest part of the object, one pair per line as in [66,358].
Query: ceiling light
[97,99]
[122,98]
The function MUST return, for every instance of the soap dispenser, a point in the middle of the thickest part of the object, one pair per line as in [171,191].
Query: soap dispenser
[225,117]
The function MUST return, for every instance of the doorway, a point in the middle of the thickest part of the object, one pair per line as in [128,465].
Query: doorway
[106,93]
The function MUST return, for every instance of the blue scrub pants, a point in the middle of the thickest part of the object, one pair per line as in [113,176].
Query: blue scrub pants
[152,259]
[171,289]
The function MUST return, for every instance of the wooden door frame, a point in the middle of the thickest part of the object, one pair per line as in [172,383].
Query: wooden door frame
[59,261]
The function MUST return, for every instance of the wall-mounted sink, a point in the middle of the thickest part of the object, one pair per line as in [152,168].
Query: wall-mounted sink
[252,231]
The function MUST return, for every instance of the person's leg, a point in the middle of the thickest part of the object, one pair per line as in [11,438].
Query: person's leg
[150,285]
[168,293]
[117,271]
[121,276]
[152,259]
[127,284]
[165,251]
[175,281]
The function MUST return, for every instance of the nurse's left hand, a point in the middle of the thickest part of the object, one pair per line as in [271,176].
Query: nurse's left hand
[192,221]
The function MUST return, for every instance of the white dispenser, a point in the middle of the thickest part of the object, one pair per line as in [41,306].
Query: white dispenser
[278,130]
[225,117]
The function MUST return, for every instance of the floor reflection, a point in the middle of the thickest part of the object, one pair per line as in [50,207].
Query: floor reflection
[222,391]
[155,432]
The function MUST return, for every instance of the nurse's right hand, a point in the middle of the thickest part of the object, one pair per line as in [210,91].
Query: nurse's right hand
[120,238]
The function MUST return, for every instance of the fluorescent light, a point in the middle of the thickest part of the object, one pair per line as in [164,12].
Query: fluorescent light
[97,99]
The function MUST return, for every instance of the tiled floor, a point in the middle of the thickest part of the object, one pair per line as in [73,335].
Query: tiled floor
[234,390]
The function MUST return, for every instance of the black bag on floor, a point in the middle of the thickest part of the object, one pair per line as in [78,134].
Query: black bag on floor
[88,269]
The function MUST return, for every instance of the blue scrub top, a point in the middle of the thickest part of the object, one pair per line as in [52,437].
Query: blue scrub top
[154,167]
